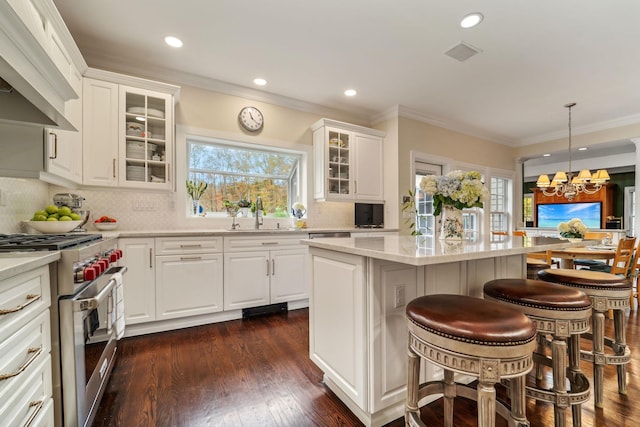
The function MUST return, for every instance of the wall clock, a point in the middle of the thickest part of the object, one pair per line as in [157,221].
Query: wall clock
[251,119]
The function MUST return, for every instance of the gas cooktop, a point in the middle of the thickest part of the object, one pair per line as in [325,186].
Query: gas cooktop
[44,242]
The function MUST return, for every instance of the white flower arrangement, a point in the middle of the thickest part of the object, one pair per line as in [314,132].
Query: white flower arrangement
[574,229]
[457,189]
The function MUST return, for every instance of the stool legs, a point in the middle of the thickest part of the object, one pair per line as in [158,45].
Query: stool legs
[559,355]
[449,395]
[413,384]
[486,404]
[599,358]
[619,348]
[518,402]
[575,372]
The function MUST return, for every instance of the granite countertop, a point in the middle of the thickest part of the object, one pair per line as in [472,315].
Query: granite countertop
[239,232]
[423,250]
[14,263]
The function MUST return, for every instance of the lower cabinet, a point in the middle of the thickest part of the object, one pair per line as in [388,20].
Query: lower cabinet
[188,285]
[140,280]
[171,278]
[260,277]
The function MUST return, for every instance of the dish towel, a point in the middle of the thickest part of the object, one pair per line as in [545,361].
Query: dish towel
[119,305]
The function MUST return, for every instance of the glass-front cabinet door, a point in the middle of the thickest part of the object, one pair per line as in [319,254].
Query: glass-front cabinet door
[338,175]
[146,135]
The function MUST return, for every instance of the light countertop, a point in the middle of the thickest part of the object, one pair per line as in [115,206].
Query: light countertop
[239,232]
[421,250]
[14,263]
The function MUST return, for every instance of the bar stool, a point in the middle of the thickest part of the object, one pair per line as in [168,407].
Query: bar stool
[564,314]
[470,336]
[534,265]
[607,292]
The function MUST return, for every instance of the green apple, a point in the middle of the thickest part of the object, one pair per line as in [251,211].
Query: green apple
[65,218]
[54,215]
[74,216]
[64,211]
[52,219]
[42,212]
[39,218]
[51,209]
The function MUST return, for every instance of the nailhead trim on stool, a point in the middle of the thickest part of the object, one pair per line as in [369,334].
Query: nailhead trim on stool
[607,292]
[563,313]
[470,336]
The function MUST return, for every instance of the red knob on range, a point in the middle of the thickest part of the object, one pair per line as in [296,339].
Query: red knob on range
[104,264]
[113,256]
[89,273]
[98,268]
[119,252]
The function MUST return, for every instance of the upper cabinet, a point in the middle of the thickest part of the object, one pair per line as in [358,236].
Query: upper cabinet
[348,162]
[128,132]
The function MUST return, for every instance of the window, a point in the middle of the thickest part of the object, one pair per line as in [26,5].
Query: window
[236,171]
[499,217]
[424,220]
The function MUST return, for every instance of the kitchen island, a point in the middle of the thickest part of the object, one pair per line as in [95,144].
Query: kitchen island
[359,291]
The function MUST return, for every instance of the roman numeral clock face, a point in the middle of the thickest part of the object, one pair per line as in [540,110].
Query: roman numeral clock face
[251,119]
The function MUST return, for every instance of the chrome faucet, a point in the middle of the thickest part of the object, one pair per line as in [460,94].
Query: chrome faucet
[258,213]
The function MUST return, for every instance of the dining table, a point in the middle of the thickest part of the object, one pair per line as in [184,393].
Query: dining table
[595,252]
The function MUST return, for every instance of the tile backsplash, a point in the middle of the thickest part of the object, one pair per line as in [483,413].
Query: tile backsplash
[141,210]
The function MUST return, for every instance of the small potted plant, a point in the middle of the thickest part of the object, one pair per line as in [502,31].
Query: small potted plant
[244,206]
[574,230]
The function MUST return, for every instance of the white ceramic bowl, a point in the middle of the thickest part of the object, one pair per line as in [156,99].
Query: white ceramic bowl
[105,226]
[53,227]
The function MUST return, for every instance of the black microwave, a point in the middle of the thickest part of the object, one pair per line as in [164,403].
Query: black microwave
[369,215]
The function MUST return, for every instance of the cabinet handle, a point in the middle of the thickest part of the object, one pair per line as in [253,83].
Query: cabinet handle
[150,258]
[35,404]
[268,272]
[273,267]
[168,172]
[33,352]
[195,245]
[269,243]
[55,145]
[190,258]
[31,298]
[355,183]
[114,168]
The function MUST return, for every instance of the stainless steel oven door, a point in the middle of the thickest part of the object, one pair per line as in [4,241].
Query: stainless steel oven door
[87,347]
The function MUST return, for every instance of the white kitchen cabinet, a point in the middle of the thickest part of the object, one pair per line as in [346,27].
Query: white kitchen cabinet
[140,290]
[348,162]
[189,277]
[100,133]
[63,148]
[264,270]
[25,347]
[128,131]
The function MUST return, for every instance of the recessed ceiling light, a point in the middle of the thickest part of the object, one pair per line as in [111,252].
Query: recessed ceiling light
[260,82]
[546,155]
[583,149]
[173,41]
[350,92]
[471,20]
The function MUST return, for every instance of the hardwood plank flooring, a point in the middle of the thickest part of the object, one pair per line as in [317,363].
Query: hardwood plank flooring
[257,372]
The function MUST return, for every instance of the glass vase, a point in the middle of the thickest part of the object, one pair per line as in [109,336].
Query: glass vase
[195,208]
[451,228]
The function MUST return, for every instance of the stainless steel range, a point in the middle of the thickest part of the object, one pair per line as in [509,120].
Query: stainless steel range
[85,322]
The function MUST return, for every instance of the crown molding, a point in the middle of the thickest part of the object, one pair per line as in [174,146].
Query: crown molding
[137,67]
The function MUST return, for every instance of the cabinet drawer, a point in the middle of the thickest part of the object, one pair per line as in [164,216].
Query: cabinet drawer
[238,244]
[21,298]
[188,245]
[21,351]
[30,397]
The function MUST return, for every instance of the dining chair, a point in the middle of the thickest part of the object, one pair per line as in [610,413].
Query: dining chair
[634,274]
[593,235]
[519,233]
[622,259]
[500,233]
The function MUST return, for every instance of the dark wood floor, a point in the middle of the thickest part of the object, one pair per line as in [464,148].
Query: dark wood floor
[257,372]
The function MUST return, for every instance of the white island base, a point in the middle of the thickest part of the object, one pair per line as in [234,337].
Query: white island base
[357,322]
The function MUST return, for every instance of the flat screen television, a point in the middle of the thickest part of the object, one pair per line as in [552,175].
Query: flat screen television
[551,214]
[369,215]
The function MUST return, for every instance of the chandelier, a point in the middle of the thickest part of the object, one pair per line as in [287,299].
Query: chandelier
[567,185]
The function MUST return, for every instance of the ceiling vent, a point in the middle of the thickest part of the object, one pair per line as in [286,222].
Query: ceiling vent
[462,51]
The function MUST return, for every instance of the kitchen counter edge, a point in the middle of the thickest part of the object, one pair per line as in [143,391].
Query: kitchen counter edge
[14,263]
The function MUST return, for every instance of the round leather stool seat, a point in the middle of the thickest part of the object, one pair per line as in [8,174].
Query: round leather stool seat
[475,337]
[587,280]
[538,294]
[607,292]
[535,265]
[470,320]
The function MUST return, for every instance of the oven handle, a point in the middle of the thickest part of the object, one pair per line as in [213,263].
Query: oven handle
[86,304]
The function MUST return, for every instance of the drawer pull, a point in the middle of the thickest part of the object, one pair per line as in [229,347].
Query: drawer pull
[195,245]
[33,352]
[190,258]
[269,243]
[31,298]
[38,405]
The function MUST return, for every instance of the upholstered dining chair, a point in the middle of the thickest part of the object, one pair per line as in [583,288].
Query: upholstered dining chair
[592,235]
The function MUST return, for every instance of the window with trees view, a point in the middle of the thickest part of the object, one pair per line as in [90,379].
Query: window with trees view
[240,172]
